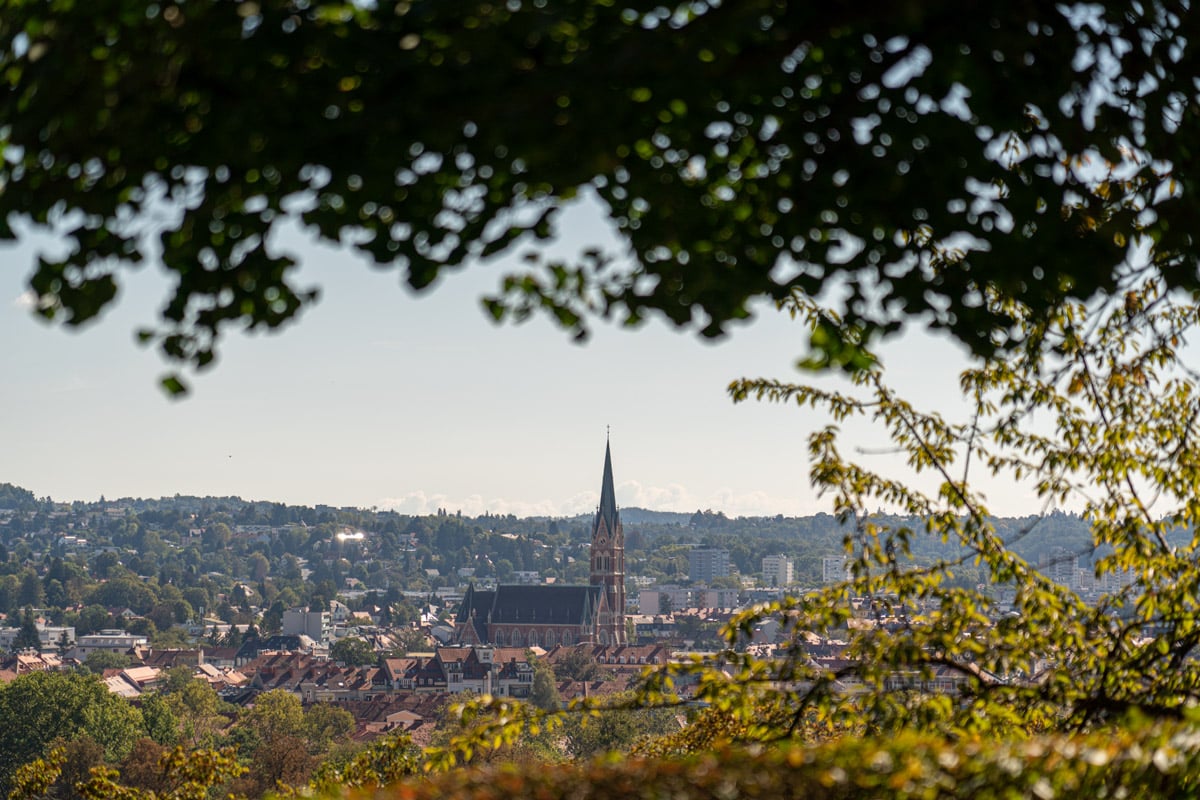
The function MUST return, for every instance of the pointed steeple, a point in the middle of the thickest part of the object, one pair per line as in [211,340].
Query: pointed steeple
[608,496]
[608,560]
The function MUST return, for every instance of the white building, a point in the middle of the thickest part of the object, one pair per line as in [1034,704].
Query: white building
[664,599]
[834,569]
[316,625]
[714,598]
[111,640]
[51,636]
[778,570]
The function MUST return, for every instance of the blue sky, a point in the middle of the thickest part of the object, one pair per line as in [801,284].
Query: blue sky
[380,398]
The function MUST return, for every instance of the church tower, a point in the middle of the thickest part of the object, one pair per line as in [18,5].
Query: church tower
[608,559]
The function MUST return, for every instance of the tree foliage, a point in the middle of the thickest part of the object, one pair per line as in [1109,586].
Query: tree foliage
[99,660]
[179,774]
[1110,382]
[1136,760]
[914,156]
[353,651]
[381,763]
[61,706]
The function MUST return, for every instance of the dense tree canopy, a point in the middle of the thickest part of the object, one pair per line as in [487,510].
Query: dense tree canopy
[902,151]
[61,705]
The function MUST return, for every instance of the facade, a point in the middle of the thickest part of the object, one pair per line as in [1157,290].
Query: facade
[515,615]
[1061,566]
[51,636]
[664,599]
[834,569]
[316,625]
[704,597]
[777,570]
[706,563]
[109,640]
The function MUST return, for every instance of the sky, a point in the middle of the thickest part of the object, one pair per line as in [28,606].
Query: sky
[377,397]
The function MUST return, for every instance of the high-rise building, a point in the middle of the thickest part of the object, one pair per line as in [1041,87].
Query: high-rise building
[777,570]
[834,569]
[706,563]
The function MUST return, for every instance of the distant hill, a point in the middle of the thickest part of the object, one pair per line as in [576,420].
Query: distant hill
[16,498]
[643,516]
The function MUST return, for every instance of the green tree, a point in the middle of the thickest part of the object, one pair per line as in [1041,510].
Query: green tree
[159,720]
[544,692]
[93,618]
[61,705]
[124,592]
[197,707]
[412,640]
[27,636]
[274,715]
[615,730]
[354,651]
[31,592]
[283,740]
[100,660]
[326,725]
[741,150]
[381,763]
[1109,379]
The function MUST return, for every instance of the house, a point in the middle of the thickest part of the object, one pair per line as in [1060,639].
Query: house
[111,640]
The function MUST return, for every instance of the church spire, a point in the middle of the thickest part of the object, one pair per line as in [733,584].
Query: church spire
[608,559]
[608,495]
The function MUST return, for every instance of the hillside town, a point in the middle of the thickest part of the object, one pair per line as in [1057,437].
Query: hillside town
[302,608]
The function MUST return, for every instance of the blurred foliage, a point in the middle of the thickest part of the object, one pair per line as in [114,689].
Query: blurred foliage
[382,762]
[1137,759]
[913,155]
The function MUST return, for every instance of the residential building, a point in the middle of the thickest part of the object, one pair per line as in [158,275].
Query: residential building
[51,636]
[108,640]
[777,570]
[316,625]
[707,563]
[834,569]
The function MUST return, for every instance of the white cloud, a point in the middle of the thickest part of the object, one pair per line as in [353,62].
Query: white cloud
[674,497]
[419,502]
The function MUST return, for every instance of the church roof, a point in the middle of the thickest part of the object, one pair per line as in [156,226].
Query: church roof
[524,604]
[608,497]
[551,605]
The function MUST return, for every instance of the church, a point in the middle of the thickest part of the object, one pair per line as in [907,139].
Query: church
[548,615]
